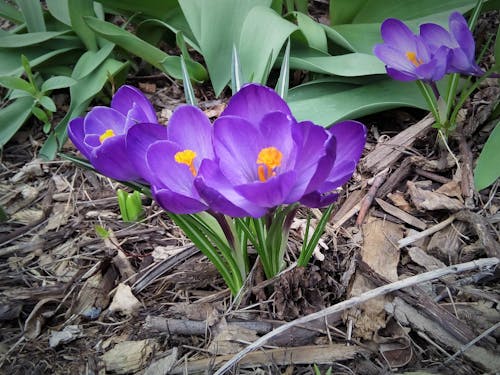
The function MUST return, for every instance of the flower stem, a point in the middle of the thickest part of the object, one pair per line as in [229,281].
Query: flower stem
[431,102]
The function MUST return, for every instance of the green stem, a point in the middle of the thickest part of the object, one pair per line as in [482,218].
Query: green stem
[431,102]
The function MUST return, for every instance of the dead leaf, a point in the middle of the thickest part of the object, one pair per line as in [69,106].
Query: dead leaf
[124,301]
[426,200]
[381,254]
[451,189]
[35,321]
[128,356]
[399,201]
[27,216]
[68,334]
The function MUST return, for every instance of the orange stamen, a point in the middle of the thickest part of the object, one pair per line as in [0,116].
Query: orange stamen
[412,57]
[107,134]
[186,157]
[268,159]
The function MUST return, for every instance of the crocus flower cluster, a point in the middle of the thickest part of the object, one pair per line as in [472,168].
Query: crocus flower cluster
[255,157]
[429,55]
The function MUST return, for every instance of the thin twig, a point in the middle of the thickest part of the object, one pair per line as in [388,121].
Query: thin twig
[410,239]
[354,301]
[469,344]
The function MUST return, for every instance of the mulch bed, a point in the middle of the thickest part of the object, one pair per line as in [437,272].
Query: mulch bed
[143,300]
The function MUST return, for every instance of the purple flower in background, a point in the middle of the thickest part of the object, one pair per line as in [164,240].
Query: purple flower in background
[459,41]
[407,56]
[265,158]
[171,163]
[100,135]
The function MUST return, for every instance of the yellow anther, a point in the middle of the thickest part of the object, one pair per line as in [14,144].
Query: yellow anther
[186,157]
[107,134]
[268,159]
[412,57]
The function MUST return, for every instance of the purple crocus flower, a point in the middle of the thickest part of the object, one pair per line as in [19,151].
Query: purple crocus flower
[264,157]
[459,41]
[169,158]
[100,135]
[407,56]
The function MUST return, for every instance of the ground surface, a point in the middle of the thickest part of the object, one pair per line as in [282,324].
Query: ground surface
[145,301]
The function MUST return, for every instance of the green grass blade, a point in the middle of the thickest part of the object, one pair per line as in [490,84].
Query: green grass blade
[188,87]
[25,40]
[236,81]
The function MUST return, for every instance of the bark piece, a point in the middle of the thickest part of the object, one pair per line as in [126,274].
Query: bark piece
[409,316]
[318,354]
[386,154]
[402,215]
[445,244]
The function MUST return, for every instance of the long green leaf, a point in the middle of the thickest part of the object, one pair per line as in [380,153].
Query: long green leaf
[59,10]
[30,39]
[33,15]
[13,116]
[344,11]
[263,34]
[216,25]
[90,61]
[169,64]
[312,32]
[326,103]
[487,168]
[348,65]
[161,9]
[9,12]
[78,9]
[284,78]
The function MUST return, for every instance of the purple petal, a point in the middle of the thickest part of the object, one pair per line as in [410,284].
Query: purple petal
[393,58]
[77,136]
[317,200]
[177,203]
[276,131]
[111,160]
[314,163]
[350,139]
[400,76]
[191,129]
[138,139]
[100,119]
[165,172]
[237,144]
[460,31]
[131,102]
[397,34]
[436,36]
[254,101]
[220,195]
[271,193]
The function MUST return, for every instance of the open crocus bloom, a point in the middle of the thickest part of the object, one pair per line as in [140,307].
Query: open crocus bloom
[100,135]
[264,157]
[169,158]
[406,55]
[459,40]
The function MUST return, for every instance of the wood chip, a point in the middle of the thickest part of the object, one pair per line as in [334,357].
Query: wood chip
[400,214]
